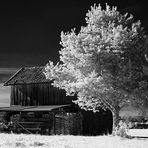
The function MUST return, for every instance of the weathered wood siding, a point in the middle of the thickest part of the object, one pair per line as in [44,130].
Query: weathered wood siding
[38,94]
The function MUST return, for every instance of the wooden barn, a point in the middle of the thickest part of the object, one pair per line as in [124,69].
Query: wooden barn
[37,106]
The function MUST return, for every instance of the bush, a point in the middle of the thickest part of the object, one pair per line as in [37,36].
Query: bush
[122,129]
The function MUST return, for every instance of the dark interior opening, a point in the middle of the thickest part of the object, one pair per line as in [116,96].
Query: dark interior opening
[98,123]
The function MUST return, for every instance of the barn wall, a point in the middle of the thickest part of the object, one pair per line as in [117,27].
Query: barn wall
[38,94]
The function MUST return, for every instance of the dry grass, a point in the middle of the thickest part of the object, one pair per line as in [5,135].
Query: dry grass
[31,141]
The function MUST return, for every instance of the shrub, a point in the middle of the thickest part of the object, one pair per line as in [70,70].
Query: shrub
[122,129]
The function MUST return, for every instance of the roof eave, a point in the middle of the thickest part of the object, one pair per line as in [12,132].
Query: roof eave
[7,82]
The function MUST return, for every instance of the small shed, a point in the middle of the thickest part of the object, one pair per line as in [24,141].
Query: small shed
[35,100]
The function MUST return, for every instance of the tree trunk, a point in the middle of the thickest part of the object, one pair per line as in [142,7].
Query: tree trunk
[115,120]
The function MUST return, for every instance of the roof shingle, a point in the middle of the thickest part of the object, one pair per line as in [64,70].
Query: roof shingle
[27,75]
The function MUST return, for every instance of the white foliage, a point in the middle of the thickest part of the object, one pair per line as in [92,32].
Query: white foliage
[88,58]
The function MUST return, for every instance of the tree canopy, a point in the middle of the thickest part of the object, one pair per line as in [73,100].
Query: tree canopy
[103,63]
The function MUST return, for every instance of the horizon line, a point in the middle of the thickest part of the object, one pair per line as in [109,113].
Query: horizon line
[5,70]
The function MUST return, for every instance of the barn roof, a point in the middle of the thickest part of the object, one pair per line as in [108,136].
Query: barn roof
[28,75]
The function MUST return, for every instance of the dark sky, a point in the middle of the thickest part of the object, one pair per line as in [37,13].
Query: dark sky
[30,30]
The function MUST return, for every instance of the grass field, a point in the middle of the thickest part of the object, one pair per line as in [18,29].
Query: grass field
[31,141]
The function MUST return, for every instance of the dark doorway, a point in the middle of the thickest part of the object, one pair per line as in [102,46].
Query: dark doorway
[98,123]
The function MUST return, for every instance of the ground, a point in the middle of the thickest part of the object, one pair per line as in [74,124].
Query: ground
[31,141]
[138,132]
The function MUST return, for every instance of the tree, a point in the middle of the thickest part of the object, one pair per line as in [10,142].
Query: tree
[102,64]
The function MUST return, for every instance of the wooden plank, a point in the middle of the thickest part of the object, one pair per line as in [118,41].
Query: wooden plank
[19,95]
[30,122]
[25,95]
[33,128]
[15,92]
[12,96]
